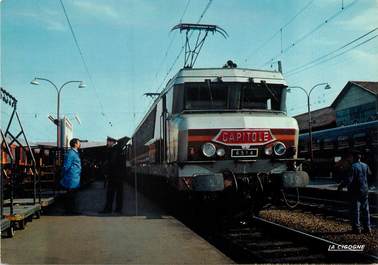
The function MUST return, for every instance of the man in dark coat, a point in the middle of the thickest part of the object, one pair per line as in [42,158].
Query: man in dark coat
[114,180]
[357,185]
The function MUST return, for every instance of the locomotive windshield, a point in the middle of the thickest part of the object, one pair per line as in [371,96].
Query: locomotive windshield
[232,96]
[205,97]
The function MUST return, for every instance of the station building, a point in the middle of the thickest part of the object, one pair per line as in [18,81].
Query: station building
[356,103]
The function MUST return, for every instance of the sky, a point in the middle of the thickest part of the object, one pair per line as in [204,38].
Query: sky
[128,50]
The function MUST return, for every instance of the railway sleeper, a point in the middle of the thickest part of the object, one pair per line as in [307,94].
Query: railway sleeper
[265,244]
[315,258]
[290,250]
[246,235]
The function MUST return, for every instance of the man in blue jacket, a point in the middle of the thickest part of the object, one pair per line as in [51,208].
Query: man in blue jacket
[71,175]
[357,184]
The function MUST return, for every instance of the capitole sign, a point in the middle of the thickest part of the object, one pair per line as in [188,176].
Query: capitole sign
[244,137]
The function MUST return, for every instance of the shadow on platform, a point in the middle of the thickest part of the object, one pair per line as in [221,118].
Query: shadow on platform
[91,200]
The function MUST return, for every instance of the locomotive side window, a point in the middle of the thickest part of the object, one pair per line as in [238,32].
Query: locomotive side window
[202,96]
[146,130]
[169,100]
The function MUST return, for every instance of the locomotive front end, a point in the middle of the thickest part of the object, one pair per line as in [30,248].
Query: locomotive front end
[232,132]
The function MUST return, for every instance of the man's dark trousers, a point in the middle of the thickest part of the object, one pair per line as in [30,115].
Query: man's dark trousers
[115,187]
[360,206]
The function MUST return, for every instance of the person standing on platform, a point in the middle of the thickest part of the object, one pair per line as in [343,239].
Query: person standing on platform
[71,171]
[357,184]
[114,179]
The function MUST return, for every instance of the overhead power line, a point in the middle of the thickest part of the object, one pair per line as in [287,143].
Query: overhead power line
[332,57]
[182,47]
[308,34]
[279,31]
[186,9]
[330,53]
[172,40]
[84,61]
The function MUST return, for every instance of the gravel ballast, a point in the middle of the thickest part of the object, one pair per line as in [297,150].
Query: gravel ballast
[327,228]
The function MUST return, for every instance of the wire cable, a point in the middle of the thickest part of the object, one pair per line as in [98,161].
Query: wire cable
[308,34]
[83,60]
[182,47]
[333,57]
[172,40]
[330,53]
[27,125]
[186,9]
[279,31]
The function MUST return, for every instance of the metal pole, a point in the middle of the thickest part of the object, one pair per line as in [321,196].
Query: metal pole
[58,123]
[308,94]
[310,120]
[58,140]
[309,128]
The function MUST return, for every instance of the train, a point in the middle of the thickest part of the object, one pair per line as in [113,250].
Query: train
[213,130]
[332,146]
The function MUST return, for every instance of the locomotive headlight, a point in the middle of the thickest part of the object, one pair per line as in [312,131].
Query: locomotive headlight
[279,149]
[208,149]
[221,152]
[269,150]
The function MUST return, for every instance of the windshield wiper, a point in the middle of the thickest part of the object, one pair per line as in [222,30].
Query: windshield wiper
[209,87]
[270,91]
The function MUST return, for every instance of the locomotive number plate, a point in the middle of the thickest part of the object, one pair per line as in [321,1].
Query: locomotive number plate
[243,152]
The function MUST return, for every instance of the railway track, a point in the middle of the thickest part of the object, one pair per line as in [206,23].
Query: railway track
[339,209]
[262,241]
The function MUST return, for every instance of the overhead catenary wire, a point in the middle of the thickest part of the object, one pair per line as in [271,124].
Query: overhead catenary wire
[28,125]
[182,47]
[83,60]
[308,34]
[186,9]
[333,57]
[330,53]
[279,31]
[172,40]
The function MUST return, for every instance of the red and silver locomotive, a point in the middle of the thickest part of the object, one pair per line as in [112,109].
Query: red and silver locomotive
[214,129]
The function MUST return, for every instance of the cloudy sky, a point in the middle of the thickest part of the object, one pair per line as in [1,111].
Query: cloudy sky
[129,50]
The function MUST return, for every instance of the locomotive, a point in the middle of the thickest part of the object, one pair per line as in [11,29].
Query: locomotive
[213,130]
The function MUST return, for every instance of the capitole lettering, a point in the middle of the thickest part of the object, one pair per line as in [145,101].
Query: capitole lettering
[244,137]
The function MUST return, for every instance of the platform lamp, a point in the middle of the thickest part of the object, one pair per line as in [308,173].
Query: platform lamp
[308,94]
[58,90]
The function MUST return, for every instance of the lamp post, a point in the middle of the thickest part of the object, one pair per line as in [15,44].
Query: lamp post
[58,90]
[308,94]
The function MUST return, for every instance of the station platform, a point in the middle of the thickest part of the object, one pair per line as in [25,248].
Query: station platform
[142,234]
[325,190]
[5,224]
[45,202]
[330,185]
[21,212]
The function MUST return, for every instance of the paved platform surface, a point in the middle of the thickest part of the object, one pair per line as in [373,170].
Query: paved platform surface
[329,184]
[150,237]
[44,201]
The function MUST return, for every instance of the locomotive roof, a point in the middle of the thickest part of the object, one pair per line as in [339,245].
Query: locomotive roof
[187,75]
